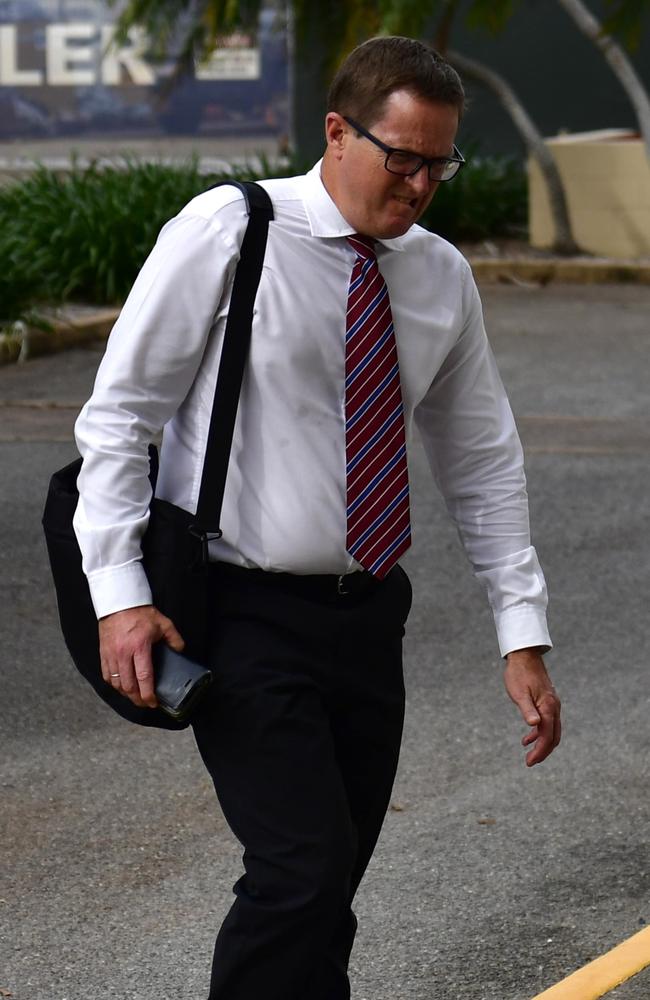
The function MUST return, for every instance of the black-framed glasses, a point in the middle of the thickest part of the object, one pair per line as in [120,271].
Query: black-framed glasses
[401,161]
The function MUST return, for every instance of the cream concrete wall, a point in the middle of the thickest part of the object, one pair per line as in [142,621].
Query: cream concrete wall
[606,176]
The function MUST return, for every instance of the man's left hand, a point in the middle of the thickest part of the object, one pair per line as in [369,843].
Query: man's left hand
[529,686]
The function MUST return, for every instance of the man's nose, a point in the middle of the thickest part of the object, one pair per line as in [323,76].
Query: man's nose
[419,182]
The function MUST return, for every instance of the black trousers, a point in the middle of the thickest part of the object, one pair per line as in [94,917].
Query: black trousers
[301,734]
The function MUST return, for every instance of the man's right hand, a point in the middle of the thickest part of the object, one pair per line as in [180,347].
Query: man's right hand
[125,641]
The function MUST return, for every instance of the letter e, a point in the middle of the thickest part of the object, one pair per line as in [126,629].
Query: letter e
[62,58]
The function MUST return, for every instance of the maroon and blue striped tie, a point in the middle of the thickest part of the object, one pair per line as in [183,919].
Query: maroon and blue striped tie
[378,528]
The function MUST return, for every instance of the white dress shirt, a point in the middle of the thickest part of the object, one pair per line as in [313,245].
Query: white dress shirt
[284,506]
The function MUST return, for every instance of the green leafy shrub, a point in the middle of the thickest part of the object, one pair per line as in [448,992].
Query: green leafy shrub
[84,235]
[488,198]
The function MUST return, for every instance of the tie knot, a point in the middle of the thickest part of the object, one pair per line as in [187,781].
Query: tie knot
[364,246]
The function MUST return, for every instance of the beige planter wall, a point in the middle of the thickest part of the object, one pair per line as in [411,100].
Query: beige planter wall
[606,177]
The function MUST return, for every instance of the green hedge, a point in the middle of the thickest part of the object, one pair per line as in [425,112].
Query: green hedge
[83,236]
[488,198]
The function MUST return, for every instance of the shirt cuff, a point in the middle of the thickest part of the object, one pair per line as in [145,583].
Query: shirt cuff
[520,627]
[119,588]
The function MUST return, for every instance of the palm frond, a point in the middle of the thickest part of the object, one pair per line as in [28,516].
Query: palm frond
[626,19]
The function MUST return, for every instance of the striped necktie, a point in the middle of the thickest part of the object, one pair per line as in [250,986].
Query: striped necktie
[377,486]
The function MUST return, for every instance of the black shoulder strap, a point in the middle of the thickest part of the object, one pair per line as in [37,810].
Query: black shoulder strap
[233,357]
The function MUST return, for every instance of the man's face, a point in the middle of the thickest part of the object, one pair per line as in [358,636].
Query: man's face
[374,201]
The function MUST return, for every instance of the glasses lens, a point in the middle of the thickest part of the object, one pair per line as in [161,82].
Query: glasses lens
[407,164]
[399,162]
[444,171]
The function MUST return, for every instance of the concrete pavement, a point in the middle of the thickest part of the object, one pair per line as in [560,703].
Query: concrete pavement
[490,882]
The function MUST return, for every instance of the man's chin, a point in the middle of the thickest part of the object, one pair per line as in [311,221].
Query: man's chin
[390,226]
[397,223]
[393,230]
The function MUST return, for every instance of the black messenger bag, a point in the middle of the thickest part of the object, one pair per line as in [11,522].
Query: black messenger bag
[175,545]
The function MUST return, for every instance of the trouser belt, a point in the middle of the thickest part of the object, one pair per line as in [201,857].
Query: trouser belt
[317,586]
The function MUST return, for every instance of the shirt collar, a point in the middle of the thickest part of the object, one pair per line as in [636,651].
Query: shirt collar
[323,215]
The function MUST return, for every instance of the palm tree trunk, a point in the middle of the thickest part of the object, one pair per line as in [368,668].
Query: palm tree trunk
[471,69]
[618,60]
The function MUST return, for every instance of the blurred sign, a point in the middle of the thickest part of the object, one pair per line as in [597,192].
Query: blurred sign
[61,73]
[235,58]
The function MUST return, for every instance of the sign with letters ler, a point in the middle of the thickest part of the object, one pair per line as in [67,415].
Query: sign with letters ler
[76,54]
[63,73]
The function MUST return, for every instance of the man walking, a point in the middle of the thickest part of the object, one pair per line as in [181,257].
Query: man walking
[366,327]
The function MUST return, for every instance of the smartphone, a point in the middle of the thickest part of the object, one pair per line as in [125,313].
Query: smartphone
[179,682]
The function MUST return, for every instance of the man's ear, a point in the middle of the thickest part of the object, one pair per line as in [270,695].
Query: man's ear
[336,132]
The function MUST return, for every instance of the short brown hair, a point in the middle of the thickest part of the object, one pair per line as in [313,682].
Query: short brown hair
[380,66]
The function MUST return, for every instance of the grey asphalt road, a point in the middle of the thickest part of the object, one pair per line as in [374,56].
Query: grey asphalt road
[490,882]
